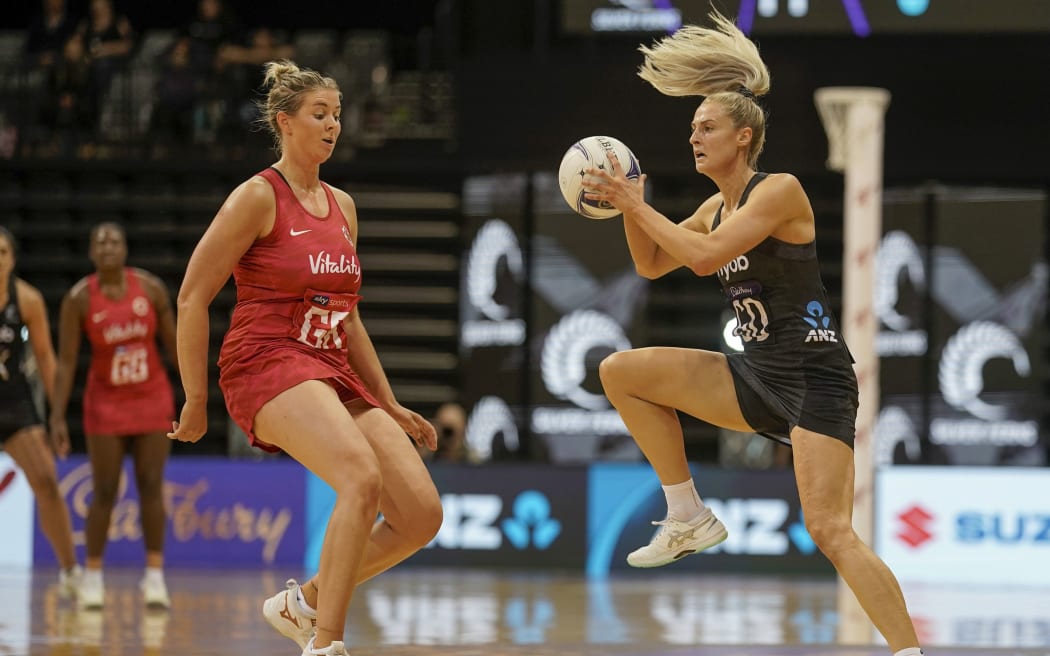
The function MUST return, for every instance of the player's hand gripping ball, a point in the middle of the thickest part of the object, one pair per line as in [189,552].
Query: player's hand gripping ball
[593,152]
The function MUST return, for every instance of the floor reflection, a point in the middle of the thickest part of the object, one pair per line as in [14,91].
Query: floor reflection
[413,612]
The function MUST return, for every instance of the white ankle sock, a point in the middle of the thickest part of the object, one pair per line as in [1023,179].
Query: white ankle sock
[303,606]
[92,577]
[154,574]
[310,649]
[683,503]
[910,651]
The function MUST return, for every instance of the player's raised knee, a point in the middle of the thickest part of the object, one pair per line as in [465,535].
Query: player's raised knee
[613,369]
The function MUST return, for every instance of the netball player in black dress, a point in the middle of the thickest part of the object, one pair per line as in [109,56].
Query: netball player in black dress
[794,382]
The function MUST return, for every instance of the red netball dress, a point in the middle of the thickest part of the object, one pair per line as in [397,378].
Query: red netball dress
[127,391]
[294,289]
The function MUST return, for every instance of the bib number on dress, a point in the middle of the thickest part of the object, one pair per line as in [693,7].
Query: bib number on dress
[130,365]
[318,322]
[752,320]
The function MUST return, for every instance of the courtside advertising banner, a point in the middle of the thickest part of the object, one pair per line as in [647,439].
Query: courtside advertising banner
[16,508]
[220,512]
[760,509]
[500,515]
[965,524]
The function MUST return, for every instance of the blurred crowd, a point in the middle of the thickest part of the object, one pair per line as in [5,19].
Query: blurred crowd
[206,76]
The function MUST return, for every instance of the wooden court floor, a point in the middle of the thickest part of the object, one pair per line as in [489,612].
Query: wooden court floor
[417,612]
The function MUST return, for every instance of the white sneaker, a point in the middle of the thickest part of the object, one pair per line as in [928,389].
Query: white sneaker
[337,648]
[677,539]
[69,581]
[90,591]
[155,592]
[283,613]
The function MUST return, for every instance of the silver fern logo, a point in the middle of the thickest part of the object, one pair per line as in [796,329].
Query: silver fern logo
[490,417]
[898,255]
[564,359]
[495,241]
[962,363]
[893,427]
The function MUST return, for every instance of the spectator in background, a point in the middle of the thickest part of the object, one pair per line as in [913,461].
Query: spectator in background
[213,28]
[108,38]
[178,92]
[47,34]
[70,110]
[450,422]
[128,400]
[243,66]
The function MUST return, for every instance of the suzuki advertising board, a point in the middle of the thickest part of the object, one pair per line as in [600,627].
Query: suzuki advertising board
[964,524]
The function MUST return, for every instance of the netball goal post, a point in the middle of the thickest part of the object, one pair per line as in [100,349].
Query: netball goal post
[853,120]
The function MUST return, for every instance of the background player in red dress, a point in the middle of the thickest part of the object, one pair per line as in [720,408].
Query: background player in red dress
[298,369]
[128,400]
[22,431]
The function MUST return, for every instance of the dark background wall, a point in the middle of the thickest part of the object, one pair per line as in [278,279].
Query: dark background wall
[963,107]
[966,109]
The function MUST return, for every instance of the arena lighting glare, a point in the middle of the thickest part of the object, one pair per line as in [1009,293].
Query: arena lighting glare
[732,340]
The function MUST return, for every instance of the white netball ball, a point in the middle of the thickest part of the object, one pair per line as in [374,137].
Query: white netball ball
[587,153]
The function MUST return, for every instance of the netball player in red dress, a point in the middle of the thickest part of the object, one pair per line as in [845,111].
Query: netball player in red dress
[297,368]
[128,402]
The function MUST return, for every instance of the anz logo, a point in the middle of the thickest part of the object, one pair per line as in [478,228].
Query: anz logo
[472,522]
[818,321]
[532,523]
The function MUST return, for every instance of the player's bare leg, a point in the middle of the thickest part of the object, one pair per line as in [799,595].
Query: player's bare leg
[646,386]
[311,425]
[106,454]
[150,453]
[410,503]
[28,448]
[824,472]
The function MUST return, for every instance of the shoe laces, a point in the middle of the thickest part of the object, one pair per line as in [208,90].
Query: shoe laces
[695,522]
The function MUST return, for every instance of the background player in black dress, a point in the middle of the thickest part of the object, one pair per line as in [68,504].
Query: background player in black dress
[21,428]
[794,382]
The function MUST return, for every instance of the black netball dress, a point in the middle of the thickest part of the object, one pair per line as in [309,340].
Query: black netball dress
[795,369]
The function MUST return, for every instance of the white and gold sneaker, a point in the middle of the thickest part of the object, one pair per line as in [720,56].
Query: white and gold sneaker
[676,539]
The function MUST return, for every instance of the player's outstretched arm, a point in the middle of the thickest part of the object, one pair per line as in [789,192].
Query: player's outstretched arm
[247,214]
